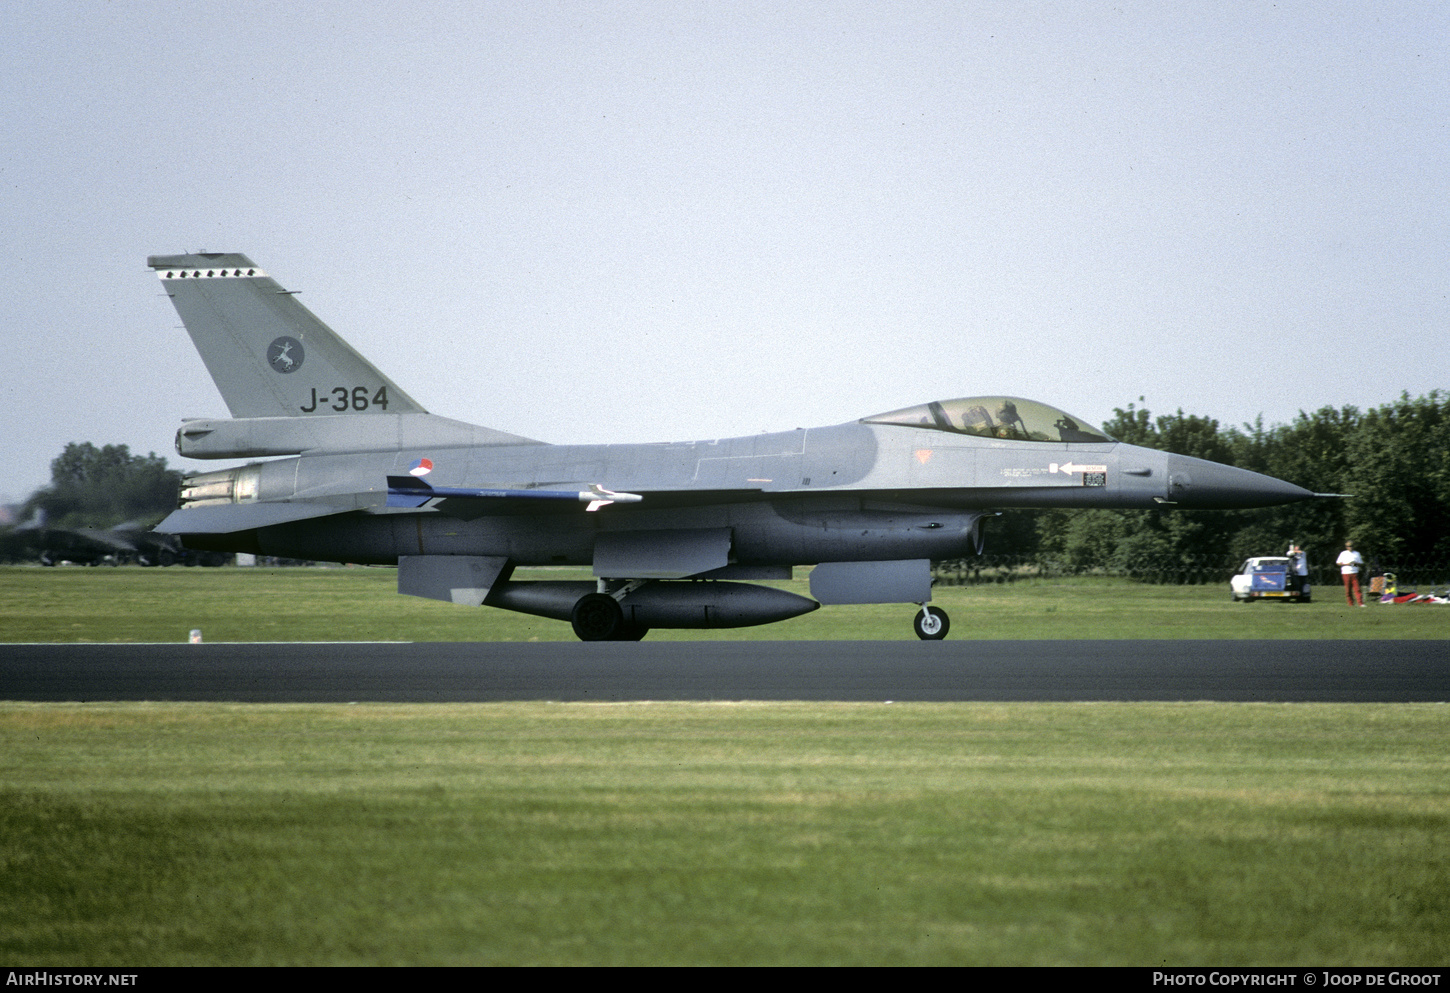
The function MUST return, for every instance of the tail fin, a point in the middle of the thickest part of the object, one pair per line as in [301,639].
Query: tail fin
[268,355]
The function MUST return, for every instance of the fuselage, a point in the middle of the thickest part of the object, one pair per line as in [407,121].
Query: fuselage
[841,493]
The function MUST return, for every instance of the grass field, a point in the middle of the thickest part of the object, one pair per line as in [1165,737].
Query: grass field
[748,833]
[1128,834]
[358,604]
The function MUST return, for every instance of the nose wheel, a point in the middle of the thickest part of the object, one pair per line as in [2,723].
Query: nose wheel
[931,624]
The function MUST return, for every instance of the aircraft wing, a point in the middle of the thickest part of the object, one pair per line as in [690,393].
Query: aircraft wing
[109,539]
[89,539]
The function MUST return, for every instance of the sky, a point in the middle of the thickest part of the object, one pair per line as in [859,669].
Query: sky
[592,222]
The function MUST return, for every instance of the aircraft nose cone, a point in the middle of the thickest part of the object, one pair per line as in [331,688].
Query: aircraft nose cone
[1198,483]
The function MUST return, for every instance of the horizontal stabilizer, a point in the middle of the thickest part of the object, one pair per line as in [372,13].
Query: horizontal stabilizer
[232,518]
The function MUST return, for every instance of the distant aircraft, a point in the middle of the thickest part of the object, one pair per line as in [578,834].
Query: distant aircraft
[119,545]
[669,529]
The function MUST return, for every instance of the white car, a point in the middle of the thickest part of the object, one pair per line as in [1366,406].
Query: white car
[1269,578]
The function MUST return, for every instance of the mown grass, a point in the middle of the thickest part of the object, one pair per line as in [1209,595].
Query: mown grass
[358,604]
[1144,834]
[969,834]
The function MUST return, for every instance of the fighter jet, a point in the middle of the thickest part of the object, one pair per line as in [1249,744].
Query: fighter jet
[132,542]
[359,472]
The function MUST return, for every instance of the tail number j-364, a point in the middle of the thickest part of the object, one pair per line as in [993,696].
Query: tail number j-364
[342,398]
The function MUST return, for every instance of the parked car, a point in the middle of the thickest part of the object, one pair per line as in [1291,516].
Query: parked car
[1269,578]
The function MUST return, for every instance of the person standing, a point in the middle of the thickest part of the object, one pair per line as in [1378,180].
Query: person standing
[1299,562]
[1350,562]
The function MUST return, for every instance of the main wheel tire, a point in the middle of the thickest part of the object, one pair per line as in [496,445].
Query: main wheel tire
[630,632]
[931,624]
[597,617]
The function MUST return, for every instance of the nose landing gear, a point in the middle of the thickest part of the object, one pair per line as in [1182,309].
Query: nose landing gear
[931,623]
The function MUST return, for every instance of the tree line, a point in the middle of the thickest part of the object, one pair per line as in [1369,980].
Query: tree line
[94,487]
[1392,460]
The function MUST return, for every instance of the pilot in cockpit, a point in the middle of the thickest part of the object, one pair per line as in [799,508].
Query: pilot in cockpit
[1010,423]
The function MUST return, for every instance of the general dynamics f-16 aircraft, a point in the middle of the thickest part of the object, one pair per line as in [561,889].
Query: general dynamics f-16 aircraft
[367,475]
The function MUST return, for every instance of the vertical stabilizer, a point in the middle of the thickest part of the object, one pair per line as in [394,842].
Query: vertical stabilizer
[268,355]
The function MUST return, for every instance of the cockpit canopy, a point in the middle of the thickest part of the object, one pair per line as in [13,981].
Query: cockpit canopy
[1009,418]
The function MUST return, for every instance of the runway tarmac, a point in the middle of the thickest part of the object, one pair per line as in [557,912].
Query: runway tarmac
[1350,671]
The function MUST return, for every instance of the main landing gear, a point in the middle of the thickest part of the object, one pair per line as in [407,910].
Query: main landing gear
[598,617]
[931,623]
